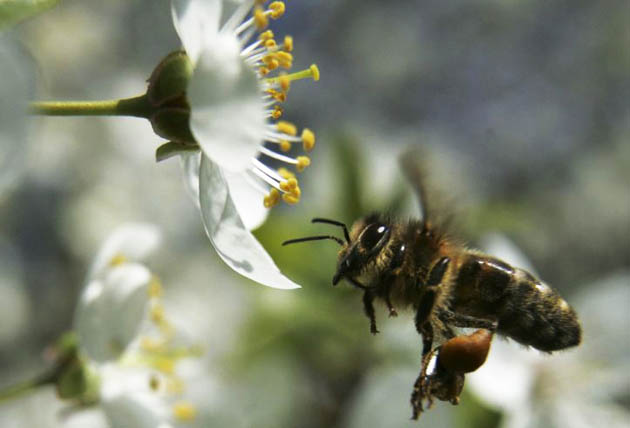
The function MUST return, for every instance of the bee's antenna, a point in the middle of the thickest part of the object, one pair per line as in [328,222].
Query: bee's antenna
[314,238]
[335,223]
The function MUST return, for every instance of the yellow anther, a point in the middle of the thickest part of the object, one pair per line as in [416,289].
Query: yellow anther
[117,260]
[157,313]
[286,127]
[266,35]
[285,59]
[290,185]
[272,198]
[285,173]
[280,97]
[277,9]
[285,82]
[314,72]
[151,345]
[308,139]
[273,64]
[277,112]
[303,162]
[155,287]
[184,411]
[290,199]
[263,71]
[288,43]
[174,385]
[285,146]
[165,365]
[260,18]
[154,383]
[270,44]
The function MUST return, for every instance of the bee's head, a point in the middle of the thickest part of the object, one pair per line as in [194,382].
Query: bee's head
[365,240]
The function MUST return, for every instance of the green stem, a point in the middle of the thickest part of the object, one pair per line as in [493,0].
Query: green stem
[137,106]
[23,387]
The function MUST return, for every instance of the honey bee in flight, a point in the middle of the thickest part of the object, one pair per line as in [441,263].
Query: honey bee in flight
[417,264]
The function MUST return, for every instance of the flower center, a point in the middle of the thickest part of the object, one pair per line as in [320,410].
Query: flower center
[267,57]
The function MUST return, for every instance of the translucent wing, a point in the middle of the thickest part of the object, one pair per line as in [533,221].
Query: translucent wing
[412,162]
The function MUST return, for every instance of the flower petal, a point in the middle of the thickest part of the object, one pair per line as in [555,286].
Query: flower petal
[227,112]
[111,310]
[247,199]
[195,21]
[190,166]
[129,401]
[132,241]
[234,243]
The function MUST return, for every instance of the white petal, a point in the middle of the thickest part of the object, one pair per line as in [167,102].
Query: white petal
[128,400]
[15,86]
[247,199]
[133,241]
[227,117]
[110,311]
[235,244]
[190,166]
[506,379]
[195,21]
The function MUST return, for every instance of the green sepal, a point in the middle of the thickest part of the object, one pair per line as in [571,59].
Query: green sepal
[14,11]
[170,78]
[170,149]
[172,123]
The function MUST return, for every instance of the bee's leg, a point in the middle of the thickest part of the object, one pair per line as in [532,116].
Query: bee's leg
[368,298]
[421,387]
[390,307]
[466,321]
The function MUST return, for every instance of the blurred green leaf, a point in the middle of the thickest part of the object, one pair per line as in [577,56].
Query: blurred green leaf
[14,11]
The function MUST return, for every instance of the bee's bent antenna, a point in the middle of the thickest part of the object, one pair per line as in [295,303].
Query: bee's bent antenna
[335,223]
[314,238]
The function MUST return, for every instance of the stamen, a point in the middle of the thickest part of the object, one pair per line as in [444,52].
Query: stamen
[277,9]
[312,71]
[266,35]
[286,127]
[272,198]
[288,43]
[155,287]
[157,313]
[277,112]
[308,139]
[302,163]
[285,173]
[260,19]
[184,411]
[285,145]
[265,151]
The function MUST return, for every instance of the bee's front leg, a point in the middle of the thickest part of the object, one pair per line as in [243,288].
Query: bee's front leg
[368,298]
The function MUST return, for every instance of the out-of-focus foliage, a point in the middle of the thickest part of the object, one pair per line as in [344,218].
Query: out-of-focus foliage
[14,11]
[523,105]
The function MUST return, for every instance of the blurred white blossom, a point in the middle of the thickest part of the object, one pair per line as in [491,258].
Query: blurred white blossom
[232,103]
[129,344]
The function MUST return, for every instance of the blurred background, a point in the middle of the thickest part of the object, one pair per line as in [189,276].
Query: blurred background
[523,110]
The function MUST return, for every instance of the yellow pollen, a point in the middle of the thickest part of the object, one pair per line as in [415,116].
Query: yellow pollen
[286,127]
[266,35]
[308,139]
[273,64]
[280,97]
[155,287]
[260,19]
[285,82]
[284,58]
[290,199]
[157,313]
[263,71]
[277,112]
[288,43]
[184,411]
[290,185]
[285,173]
[165,365]
[303,162]
[117,260]
[277,9]
[272,198]
[285,146]
[270,44]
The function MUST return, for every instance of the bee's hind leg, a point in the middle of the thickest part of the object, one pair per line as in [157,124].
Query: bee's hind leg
[466,321]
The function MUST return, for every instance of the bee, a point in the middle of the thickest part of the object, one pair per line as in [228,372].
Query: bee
[417,264]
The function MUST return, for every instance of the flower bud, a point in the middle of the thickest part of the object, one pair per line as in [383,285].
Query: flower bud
[169,80]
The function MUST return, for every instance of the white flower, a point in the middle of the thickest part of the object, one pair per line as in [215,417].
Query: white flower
[579,387]
[232,103]
[126,340]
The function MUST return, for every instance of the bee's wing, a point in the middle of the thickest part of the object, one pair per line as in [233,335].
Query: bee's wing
[413,165]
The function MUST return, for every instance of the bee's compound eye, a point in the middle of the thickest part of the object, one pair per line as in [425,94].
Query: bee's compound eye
[372,235]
